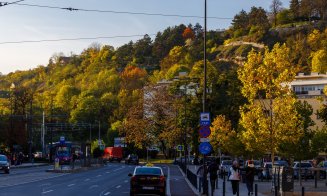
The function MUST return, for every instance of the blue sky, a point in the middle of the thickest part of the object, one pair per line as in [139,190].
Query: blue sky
[24,23]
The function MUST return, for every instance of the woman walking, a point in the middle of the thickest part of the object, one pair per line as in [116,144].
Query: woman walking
[249,177]
[234,177]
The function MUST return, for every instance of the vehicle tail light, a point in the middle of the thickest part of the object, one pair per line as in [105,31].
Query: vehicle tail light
[133,179]
[162,179]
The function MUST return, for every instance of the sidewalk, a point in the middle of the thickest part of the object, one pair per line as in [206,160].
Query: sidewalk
[265,187]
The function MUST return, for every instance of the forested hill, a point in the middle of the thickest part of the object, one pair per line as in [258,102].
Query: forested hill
[103,82]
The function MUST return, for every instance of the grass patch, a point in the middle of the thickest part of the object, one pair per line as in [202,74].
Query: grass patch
[158,161]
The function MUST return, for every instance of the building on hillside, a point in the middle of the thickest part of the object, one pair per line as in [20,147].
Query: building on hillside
[310,88]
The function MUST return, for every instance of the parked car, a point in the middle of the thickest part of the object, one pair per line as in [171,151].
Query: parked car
[113,154]
[281,163]
[132,158]
[37,155]
[224,166]
[4,164]
[147,180]
[209,159]
[323,165]
[267,170]
[304,171]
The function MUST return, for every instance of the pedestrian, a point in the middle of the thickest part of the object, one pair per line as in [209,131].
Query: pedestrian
[213,169]
[202,173]
[249,177]
[234,177]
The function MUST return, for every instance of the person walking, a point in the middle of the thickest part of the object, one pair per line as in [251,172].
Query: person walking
[202,173]
[249,177]
[212,169]
[234,177]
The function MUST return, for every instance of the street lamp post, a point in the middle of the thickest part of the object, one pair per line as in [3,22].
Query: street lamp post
[12,90]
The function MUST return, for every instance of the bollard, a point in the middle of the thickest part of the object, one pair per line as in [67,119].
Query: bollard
[224,188]
[276,193]
[238,189]
[316,178]
[255,190]
[303,191]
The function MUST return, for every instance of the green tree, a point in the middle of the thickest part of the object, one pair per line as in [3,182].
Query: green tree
[295,9]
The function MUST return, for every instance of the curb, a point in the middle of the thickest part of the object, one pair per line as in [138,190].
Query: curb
[81,169]
[28,166]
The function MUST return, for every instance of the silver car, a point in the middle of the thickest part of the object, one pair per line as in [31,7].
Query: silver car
[4,164]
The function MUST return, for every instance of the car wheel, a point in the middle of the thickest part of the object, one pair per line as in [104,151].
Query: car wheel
[7,171]
[131,193]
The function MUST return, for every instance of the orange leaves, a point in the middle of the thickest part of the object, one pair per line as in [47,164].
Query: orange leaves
[188,34]
[133,77]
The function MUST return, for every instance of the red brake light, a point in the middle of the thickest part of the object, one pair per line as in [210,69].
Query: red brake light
[133,179]
[162,179]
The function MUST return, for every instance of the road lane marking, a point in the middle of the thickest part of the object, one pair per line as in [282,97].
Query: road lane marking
[45,192]
[108,172]
[37,180]
[126,181]
[93,186]
[70,185]
[117,187]
[87,179]
[99,175]
[107,193]
[168,182]
[118,169]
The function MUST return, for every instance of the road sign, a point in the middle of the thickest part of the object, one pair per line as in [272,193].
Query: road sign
[62,139]
[204,118]
[204,140]
[205,148]
[180,148]
[204,131]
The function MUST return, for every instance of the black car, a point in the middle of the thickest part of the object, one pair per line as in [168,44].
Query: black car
[4,164]
[148,180]
[132,158]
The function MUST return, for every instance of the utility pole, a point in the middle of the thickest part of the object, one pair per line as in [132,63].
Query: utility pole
[43,133]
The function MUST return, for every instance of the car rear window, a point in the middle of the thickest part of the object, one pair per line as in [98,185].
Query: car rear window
[149,171]
[3,158]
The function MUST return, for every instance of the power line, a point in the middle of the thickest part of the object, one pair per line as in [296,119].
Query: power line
[8,3]
[72,39]
[118,12]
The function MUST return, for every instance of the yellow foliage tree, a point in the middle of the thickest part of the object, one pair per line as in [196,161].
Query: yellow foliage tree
[319,61]
[270,118]
[223,136]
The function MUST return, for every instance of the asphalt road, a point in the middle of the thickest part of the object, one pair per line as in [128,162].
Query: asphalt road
[111,179]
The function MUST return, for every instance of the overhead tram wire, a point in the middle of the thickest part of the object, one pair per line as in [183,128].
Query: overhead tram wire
[8,3]
[119,12]
[73,39]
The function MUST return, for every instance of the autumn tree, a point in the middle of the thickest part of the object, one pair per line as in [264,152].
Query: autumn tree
[295,9]
[270,118]
[188,33]
[223,136]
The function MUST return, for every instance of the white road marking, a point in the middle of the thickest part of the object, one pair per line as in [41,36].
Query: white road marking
[168,182]
[93,186]
[47,191]
[87,179]
[126,181]
[117,187]
[108,172]
[118,169]
[107,193]
[70,185]
[99,175]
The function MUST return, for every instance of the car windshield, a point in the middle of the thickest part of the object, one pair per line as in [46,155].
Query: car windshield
[147,171]
[3,158]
